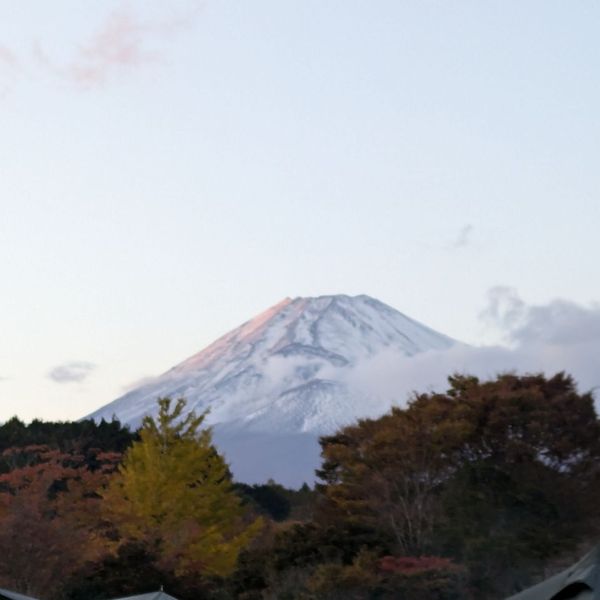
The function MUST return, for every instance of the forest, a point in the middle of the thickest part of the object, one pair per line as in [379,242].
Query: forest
[473,493]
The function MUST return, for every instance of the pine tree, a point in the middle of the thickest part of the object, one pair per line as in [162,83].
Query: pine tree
[174,491]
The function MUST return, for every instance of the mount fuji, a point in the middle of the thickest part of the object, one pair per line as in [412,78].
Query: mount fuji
[277,382]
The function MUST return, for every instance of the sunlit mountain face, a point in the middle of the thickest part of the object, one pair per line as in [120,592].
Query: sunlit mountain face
[277,382]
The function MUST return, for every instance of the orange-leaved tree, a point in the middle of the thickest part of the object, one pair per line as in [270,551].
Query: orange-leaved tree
[49,524]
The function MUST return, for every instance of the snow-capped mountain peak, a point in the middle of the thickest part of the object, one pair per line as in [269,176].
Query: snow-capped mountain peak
[286,372]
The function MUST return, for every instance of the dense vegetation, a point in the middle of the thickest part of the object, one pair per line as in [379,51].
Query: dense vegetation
[471,493]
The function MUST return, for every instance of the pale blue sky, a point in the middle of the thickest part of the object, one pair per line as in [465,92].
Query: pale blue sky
[167,173]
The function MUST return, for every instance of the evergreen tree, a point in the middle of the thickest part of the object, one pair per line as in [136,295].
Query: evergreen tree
[174,491]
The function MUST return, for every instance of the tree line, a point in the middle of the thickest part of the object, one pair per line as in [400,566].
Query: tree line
[471,493]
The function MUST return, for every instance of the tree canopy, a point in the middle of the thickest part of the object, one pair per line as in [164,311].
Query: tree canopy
[501,474]
[174,490]
[476,492]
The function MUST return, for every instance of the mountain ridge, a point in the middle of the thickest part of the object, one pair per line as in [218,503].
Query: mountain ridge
[286,371]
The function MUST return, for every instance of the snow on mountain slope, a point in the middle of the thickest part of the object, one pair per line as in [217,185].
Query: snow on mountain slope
[282,378]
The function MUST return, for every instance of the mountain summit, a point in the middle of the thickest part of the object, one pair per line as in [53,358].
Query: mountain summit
[285,376]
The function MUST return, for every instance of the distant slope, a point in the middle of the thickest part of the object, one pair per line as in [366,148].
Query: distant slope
[278,381]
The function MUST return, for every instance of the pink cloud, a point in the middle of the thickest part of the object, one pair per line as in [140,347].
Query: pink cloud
[123,42]
[119,44]
[8,64]
[7,57]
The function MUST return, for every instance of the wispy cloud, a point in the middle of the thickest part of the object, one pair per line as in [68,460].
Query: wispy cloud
[505,310]
[138,383]
[8,69]
[559,322]
[463,238]
[71,372]
[7,57]
[123,43]
[119,44]
[560,335]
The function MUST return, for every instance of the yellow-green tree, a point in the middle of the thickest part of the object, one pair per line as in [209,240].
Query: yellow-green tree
[174,491]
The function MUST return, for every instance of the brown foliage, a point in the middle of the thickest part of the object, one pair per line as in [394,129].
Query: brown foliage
[386,472]
[411,564]
[389,578]
[49,521]
[501,474]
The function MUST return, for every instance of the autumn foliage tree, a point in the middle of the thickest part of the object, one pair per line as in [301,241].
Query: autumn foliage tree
[388,578]
[49,524]
[386,473]
[501,474]
[174,492]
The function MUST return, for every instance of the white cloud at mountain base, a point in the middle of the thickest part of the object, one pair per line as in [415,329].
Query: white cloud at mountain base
[558,336]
